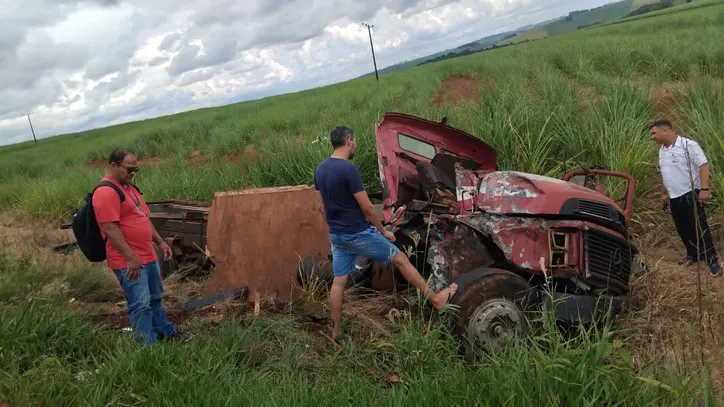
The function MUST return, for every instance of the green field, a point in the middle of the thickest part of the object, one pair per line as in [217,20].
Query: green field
[583,97]
[606,14]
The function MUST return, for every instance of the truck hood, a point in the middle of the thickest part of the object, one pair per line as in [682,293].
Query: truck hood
[403,140]
[511,193]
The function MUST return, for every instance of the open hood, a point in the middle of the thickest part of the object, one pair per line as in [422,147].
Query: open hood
[404,140]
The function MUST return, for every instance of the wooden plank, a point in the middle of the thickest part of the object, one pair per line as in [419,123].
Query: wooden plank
[256,238]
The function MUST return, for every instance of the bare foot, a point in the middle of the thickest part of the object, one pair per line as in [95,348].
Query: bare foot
[441,298]
[332,341]
[335,333]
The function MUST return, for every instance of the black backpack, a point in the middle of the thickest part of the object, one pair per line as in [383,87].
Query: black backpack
[85,227]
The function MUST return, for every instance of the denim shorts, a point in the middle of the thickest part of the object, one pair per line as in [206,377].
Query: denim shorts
[369,243]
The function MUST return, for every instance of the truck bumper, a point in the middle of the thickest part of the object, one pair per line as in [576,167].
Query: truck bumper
[585,308]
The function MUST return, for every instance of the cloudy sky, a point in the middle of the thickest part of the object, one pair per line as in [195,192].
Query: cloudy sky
[75,65]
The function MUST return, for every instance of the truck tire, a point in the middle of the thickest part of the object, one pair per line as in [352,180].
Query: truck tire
[495,306]
[167,267]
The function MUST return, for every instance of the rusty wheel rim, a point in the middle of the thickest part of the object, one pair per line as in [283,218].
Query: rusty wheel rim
[495,323]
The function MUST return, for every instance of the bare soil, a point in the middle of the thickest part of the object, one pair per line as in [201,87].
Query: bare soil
[586,92]
[665,100]
[18,236]
[456,89]
[179,316]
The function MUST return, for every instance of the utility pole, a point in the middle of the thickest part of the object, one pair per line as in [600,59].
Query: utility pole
[369,31]
[31,127]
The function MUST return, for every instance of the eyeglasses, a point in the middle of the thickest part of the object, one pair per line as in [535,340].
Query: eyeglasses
[129,169]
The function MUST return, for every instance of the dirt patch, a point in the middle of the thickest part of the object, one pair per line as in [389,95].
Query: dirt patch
[456,89]
[19,236]
[153,161]
[181,317]
[586,92]
[365,316]
[250,154]
[665,100]
[667,333]
[299,141]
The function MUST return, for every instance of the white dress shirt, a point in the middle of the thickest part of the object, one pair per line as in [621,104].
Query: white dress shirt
[680,164]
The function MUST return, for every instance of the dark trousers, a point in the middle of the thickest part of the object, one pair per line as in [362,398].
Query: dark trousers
[682,210]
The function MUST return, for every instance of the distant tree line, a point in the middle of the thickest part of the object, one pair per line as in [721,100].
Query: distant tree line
[468,51]
[570,15]
[647,8]
[580,27]
[478,43]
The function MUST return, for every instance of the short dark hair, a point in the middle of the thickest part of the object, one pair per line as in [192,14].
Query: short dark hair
[118,155]
[660,123]
[340,135]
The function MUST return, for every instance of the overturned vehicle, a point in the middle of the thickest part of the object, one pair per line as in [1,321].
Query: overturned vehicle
[513,242]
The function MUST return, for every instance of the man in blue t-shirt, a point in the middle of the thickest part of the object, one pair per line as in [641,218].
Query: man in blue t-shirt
[354,228]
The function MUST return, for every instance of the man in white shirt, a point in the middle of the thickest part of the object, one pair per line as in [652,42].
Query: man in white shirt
[685,173]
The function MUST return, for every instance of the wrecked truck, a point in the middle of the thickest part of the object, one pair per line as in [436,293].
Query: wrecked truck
[513,242]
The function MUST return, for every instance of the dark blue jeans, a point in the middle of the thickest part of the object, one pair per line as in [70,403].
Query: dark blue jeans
[145,312]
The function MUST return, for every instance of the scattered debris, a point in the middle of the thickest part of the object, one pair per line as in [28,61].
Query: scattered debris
[203,302]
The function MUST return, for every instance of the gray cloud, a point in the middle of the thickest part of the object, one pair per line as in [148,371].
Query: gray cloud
[197,76]
[79,64]
[158,61]
[103,90]
[217,50]
[170,42]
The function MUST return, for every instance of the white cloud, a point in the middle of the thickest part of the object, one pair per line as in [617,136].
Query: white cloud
[76,65]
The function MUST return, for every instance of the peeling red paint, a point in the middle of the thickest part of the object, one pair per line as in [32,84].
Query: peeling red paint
[473,215]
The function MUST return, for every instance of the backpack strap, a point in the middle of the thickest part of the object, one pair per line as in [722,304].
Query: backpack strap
[136,187]
[112,185]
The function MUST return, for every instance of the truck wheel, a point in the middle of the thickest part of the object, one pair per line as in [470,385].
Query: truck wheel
[167,267]
[495,307]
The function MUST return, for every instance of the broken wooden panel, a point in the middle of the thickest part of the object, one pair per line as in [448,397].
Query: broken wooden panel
[257,237]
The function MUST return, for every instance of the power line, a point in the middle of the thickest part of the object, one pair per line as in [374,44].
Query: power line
[369,31]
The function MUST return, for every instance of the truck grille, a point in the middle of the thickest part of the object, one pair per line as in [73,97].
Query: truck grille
[601,210]
[608,261]
[597,212]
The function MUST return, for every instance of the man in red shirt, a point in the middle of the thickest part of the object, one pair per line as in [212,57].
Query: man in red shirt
[129,236]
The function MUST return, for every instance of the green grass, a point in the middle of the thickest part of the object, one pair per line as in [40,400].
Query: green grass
[50,354]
